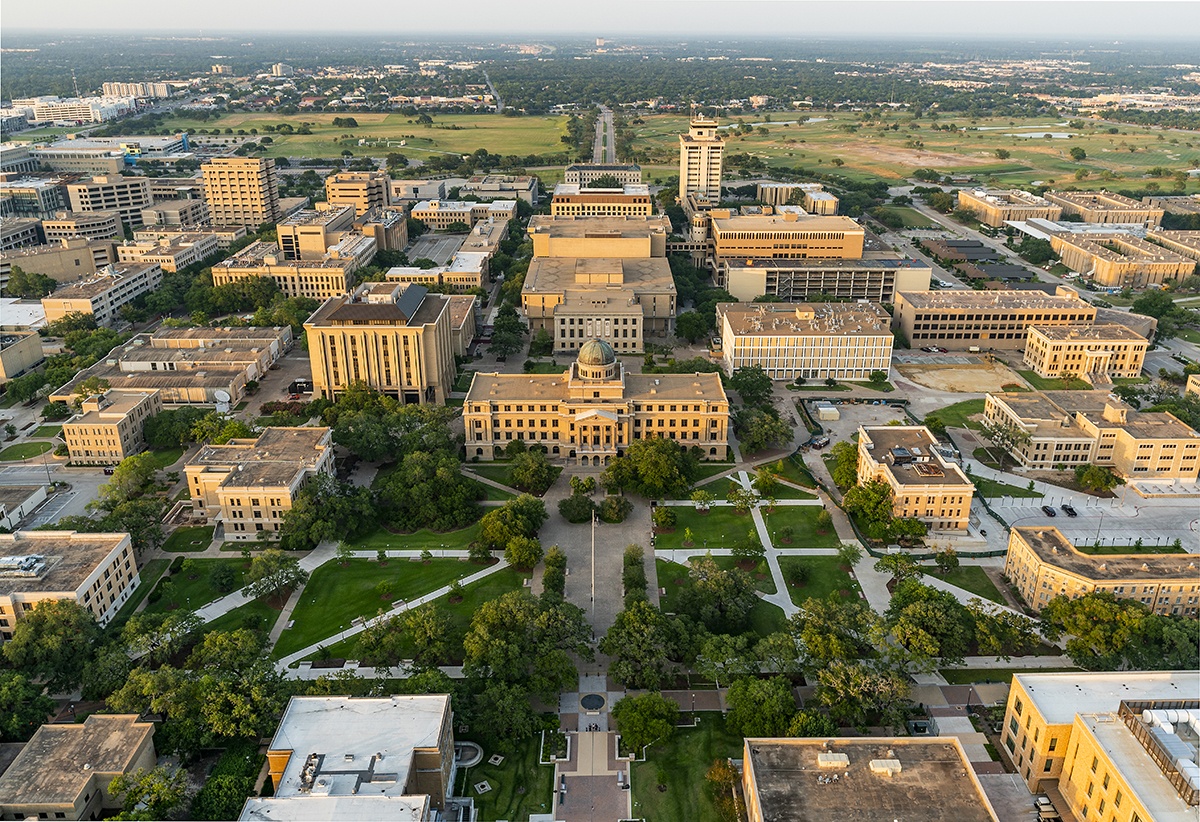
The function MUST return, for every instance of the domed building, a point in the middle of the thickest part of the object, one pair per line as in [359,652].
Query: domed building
[593,410]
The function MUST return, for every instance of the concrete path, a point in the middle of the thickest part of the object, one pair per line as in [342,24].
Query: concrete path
[315,559]
[285,616]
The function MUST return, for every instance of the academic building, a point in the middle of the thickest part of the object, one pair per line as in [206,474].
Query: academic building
[816,341]
[62,260]
[1184,243]
[501,187]
[69,225]
[104,295]
[115,192]
[924,485]
[20,350]
[1113,746]
[170,254]
[441,214]
[1072,428]
[108,427]
[364,190]
[1096,353]
[395,337]
[1042,564]
[812,196]
[1105,207]
[248,485]
[182,213]
[241,191]
[582,174]
[987,319]
[701,156]
[1120,260]
[319,279]
[995,208]
[592,411]
[581,201]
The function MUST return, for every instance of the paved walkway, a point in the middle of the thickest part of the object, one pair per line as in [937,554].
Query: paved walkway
[218,607]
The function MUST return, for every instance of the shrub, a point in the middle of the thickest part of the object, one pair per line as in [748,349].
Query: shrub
[664,517]
[798,573]
[576,508]
[615,509]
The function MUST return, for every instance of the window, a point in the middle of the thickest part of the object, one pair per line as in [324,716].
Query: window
[1095,764]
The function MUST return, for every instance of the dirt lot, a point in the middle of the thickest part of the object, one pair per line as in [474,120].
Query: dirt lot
[915,157]
[967,379]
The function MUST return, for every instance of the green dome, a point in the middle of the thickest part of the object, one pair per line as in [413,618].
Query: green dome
[596,352]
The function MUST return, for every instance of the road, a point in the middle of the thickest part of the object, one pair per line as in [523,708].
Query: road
[604,149]
[495,94]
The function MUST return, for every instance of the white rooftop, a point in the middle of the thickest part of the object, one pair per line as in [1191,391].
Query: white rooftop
[22,312]
[1144,778]
[323,808]
[1058,697]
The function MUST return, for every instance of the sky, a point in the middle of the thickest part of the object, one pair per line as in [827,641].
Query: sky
[1117,20]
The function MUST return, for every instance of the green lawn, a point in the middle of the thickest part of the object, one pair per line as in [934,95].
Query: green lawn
[719,528]
[1129,549]
[181,591]
[885,386]
[24,450]
[969,676]
[47,431]
[189,539]
[520,786]
[803,519]
[783,491]
[256,614]
[501,472]
[419,540]
[336,594]
[761,573]
[1189,334]
[971,578]
[1055,383]
[765,618]
[545,368]
[955,416]
[680,764]
[992,489]
[911,217]
[164,457]
[711,469]
[719,488]
[794,470]
[825,577]
[462,381]
[148,575]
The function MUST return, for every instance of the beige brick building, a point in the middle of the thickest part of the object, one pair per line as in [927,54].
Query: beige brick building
[170,255]
[580,174]
[182,213]
[108,427]
[789,235]
[994,208]
[395,337]
[466,272]
[924,485]
[319,279]
[308,234]
[20,350]
[1072,428]
[579,201]
[98,571]
[387,226]
[226,235]
[876,277]
[1105,207]
[114,192]
[441,214]
[701,158]
[594,410]
[364,190]
[247,485]
[1120,260]
[104,295]
[97,225]
[241,190]
[1096,353]
[635,237]
[502,187]
[62,260]
[1183,243]
[987,319]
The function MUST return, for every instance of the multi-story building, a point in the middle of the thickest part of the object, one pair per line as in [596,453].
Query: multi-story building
[156,90]
[364,190]
[1193,384]
[308,234]
[1072,428]
[98,571]
[701,156]
[501,187]
[108,427]
[337,757]
[777,194]
[166,189]
[441,214]
[241,190]
[877,278]
[319,279]
[16,159]
[924,485]
[583,201]
[96,225]
[63,260]
[65,770]
[38,197]
[50,109]
[1042,564]
[817,341]
[582,174]
[18,502]
[1107,745]
[226,235]
[788,234]
[171,255]
[394,337]
[1184,243]
[1120,260]
[19,232]
[987,319]
[412,191]
[104,295]
[20,350]
[248,485]
[181,213]
[880,779]
[466,272]
[995,208]
[79,160]
[388,226]
[1096,353]
[485,238]
[125,195]
[1105,207]
[282,70]
[631,237]
[1182,204]
[592,412]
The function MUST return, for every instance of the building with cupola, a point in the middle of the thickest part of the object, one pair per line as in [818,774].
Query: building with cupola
[592,411]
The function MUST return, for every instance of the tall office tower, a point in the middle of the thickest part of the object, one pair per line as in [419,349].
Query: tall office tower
[701,152]
[241,191]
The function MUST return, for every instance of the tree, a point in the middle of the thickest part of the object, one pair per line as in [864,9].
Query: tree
[428,629]
[523,553]
[932,626]
[765,482]
[760,427]
[877,378]
[228,651]
[871,502]
[28,285]
[344,552]
[642,643]
[946,560]
[23,707]
[645,719]
[741,499]
[576,508]
[1009,437]
[502,715]
[845,463]
[691,326]
[158,635]
[519,517]
[760,707]
[812,725]
[1155,304]
[655,468]
[1106,634]
[724,658]
[554,574]
[150,794]
[532,472]
[752,384]
[854,690]
[749,548]
[850,554]
[1078,154]
[1003,154]
[272,572]
[719,599]
[54,642]
[702,499]
[542,344]
[1038,252]
[833,629]
[900,565]
[129,480]
[1097,478]
[325,510]
[583,485]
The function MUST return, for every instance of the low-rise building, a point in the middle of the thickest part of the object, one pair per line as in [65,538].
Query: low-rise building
[108,427]
[1096,353]
[1120,260]
[171,255]
[876,278]
[1183,243]
[98,571]
[96,225]
[995,208]
[987,319]
[501,187]
[441,214]
[248,485]
[18,502]
[412,191]
[181,213]
[585,201]
[113,192]
[20,232]
[1105,207]
[364,190]
[62,260]
[65,770]
[319,279]
[878,779]
[20,350]
[226,235]
[1103,745]
[633,237]
[466,272]
[582,174]
[394,337]
[1182,204]
[924,485]
[592,412]
[104,295]
[338,757]
[485,238]
[1193,384]
[1072,428]
[815,341]
[1042,564]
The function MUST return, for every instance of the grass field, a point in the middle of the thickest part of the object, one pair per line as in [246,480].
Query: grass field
[189,539]
[825,577]
[164,457]
[1054,383]
[256,614]
[520,786]
[955,416]
[994,488]
[149,575]
[47,431]
[794,470]
[719,528]
[680,764]
[502,472]
[1189,334]
[180,591]
[765,618]
[803,519]
[971,578]
[911,217]
[24,450]
[419,540]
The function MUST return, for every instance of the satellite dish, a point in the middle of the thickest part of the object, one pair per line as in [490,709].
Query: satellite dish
[222,395]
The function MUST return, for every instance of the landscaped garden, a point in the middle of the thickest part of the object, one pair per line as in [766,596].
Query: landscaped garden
[24,451]
[195,538]
[1130,549]
[802,520]
[419,540]
[197,583]
[971,578]
[679,766]
[720,527]
[816,577]
[765,618]
[519,785]
[1070,383]
[992,489]
[955,416]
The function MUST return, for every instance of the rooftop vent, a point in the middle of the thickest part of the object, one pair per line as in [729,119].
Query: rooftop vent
[885,767]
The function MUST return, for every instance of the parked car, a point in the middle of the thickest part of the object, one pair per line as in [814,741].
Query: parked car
[1070,511]
[109,471]
[929,348]
[1048,511]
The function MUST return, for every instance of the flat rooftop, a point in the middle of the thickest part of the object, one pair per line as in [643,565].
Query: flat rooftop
[1009,198]
[785,222]
[1052,547]
[572,226]
[935,782]
[219,336]
[323,808]
[413,306]
[910,453]
[461,307]
[575,190]
[1058,697]
[69,558]
[554,388]
[963,300]
[11,496]
[292,448]
[1092,332]
[1118,247]
[876,261]
[551,275]
[1098,200]
[307,216]
[100,284]
[805,319]
[1144,778]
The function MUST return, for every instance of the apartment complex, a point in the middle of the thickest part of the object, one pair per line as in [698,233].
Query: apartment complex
[582,174]
[97,225]
[1097,353]
[319,279]
[594,410]
[631,200]
[248,485]
[104,295]
[1115,745]
[1120,260]
[338,757]
[364,190]
[65,770]
[995,208]
[241,190]
[924,485]
[701,157]
[394,337]
[98,571]
[182,213]
[880,779]
[20,350]
[108,427]
[815,341]
[1070,428]
[988,319]
[113,192]
[1105,207]
[501,187]
[170,254]
[1042,564]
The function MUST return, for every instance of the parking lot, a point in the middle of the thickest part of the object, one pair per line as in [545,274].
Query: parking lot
[1122,520]
[437,247]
